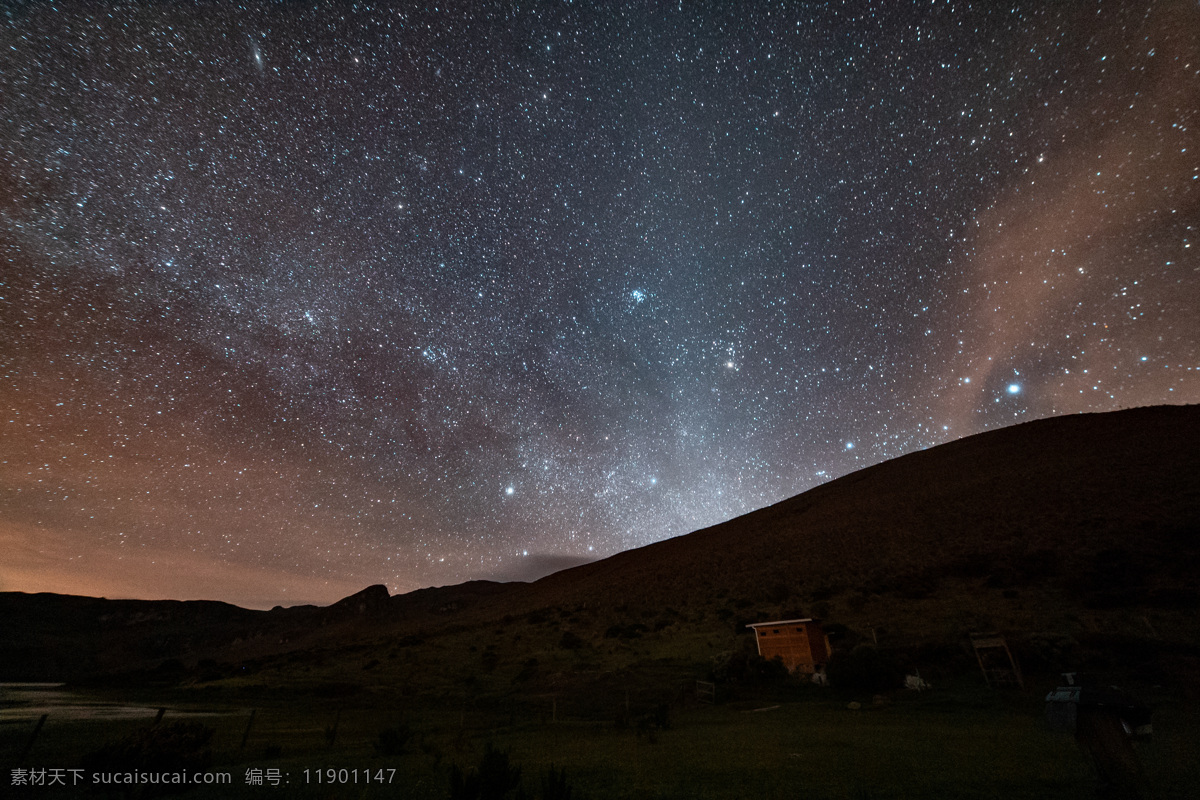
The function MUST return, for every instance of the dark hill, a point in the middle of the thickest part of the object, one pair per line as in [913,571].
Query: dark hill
[1105,507]
[1077,524]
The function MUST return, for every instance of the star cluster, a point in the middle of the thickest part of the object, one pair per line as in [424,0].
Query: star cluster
[300,299]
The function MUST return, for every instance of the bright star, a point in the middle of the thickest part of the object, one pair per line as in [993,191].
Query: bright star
[1014,388]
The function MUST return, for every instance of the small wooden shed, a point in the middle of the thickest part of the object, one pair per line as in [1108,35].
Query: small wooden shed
[800,643]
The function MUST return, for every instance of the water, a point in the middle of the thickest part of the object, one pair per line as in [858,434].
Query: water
[20,701]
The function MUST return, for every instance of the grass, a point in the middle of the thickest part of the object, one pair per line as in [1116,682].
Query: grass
[821,749]
[958,742]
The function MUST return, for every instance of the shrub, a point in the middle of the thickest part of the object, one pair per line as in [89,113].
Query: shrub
[175,747]
[331,689]
[528,671]
[393,740]
[749,669]
[863,669]
[493,779]
[777,593]
[632,631]
[659,718]
[555,785]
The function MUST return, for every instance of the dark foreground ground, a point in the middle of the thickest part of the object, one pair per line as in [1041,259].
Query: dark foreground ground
[624,724]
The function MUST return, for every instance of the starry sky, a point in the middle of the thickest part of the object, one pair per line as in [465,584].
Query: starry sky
[295,298]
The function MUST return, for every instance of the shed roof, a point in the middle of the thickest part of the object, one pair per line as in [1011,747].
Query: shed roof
[781,622]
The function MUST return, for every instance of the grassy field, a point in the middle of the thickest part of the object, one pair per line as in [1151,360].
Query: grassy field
[786,741]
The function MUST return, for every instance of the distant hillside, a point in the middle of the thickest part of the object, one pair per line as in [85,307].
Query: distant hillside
[1104,507]
[1081,523]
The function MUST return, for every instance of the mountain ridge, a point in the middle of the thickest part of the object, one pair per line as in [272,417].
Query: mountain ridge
[1035,526]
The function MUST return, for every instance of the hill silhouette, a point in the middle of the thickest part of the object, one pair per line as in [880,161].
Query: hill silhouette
[1102,507]
[1082,526]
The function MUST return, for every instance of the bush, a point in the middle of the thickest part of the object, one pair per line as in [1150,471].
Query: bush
[633,630]
[175,747]
[493,779]
[392,741]
[331,689]
[555,785]
[863,669]
[529,670]
[209,670]
[749,669]
[657,719]
[777,593]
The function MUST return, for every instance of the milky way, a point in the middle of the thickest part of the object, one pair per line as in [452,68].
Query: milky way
[298,300]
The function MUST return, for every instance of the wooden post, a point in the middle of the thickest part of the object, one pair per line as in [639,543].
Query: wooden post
[36,730]
[982,668]
[246,734]
[1016,668]
[158,718]
[331,733]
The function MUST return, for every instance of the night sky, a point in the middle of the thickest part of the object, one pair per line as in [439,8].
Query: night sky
[298,299]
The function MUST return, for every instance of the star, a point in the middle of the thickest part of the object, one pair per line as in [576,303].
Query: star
[354,293]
